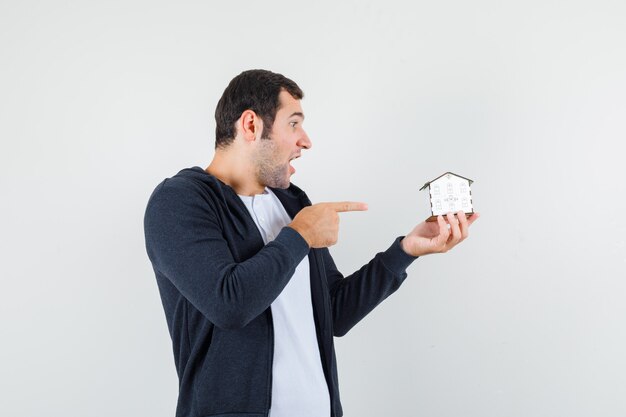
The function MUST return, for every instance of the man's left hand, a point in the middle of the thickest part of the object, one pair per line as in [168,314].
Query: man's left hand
[440,236]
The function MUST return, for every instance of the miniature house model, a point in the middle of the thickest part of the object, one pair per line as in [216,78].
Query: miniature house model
[449,193]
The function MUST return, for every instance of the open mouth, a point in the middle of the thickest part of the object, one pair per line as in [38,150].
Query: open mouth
[292,170]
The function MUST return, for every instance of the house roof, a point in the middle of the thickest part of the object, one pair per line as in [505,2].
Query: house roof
[445,173]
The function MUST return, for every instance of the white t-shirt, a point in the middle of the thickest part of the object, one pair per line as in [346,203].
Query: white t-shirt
[298,384]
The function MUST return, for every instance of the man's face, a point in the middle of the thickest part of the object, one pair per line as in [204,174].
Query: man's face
[284,144]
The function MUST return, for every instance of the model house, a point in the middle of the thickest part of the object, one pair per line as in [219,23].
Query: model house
[449,193]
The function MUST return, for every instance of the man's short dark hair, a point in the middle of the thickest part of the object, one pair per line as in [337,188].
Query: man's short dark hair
[255,90]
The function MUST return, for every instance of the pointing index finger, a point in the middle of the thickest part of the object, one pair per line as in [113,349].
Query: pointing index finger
[344,206]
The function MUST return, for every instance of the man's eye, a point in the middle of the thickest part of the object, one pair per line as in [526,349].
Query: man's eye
[293,124]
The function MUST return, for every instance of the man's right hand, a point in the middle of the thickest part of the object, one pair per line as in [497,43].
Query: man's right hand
[319,224]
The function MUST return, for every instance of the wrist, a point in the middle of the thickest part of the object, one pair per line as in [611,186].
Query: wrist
[403,245]
[411,250]
[301,232]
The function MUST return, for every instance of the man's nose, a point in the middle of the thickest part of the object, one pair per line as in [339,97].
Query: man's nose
[304,141]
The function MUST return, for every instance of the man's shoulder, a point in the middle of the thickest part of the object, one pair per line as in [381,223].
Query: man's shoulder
[189,184]
[194,178]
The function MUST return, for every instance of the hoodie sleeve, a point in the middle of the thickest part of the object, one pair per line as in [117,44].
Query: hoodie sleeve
[185,244]
[354,296]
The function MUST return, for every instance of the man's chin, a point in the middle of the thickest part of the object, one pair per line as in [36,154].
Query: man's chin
[283,183]
[272,178]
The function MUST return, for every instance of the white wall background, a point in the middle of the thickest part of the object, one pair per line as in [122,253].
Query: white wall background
[99,101]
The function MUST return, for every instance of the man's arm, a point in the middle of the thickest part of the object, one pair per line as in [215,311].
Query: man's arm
[355,296]
[185,243]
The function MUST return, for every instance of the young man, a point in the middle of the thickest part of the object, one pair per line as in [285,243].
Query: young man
[251,294]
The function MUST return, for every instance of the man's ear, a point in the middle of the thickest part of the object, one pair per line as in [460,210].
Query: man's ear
[250,125]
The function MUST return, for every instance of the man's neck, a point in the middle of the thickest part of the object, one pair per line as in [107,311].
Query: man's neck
[235,171]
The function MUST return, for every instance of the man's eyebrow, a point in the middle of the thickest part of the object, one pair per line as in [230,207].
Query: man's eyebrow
[297,113]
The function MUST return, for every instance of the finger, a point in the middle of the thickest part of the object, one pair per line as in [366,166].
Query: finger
[463,224]
[344,206]
[444,232]
[472,218]
[454,229]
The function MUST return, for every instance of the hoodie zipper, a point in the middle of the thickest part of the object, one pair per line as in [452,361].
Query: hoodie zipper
[325,326]
[271,359]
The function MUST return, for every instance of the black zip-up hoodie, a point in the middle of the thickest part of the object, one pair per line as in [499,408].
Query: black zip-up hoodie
[217,281]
